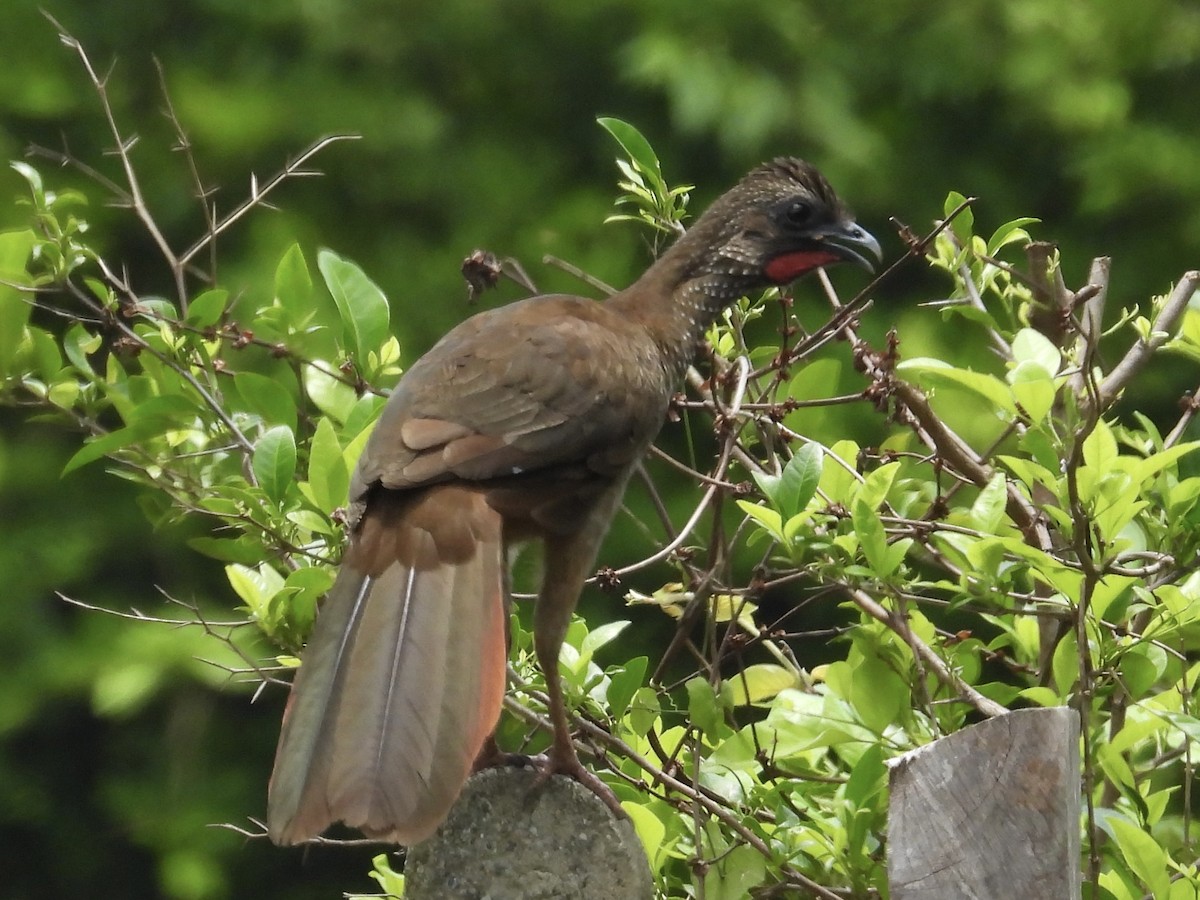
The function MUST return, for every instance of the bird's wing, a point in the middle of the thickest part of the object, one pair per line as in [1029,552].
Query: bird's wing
[537,384]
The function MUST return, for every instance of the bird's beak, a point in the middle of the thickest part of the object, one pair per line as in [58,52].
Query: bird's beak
[851,242]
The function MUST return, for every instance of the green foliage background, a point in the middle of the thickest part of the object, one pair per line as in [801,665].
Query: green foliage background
[117,746]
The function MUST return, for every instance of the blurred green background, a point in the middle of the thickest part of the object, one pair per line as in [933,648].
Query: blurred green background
[119,747]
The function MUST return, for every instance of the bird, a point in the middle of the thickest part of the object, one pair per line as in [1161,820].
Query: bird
[524,422]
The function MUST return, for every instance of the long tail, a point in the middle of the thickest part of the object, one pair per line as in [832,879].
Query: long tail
[403,678]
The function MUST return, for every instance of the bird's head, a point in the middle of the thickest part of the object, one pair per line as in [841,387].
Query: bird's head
[780,221]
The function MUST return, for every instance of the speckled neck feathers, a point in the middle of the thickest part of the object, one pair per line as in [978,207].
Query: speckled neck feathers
[720,258]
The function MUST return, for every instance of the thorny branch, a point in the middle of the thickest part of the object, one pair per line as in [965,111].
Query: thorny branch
[122,148]
[132,194]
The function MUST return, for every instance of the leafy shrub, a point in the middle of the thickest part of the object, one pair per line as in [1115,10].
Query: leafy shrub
[1013,536]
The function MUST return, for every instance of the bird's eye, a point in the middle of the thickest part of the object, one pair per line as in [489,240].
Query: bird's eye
[798,212]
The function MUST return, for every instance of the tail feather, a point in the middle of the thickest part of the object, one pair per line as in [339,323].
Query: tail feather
[404,676]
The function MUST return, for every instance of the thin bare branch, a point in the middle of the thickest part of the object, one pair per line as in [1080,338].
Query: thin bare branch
[123,147]
[1140,353]
[293,169]
[936,664]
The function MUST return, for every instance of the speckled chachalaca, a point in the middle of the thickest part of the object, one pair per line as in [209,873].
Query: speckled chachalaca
[524,422]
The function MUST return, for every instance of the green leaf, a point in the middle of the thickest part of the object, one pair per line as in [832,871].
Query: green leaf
[650,830]
[735,874]
[1183,889]
[727,607]
[274,461]
[245,550]
[1042,696]
[877,694]
[310,521]
[624,682]
[293,285]
[256,586]
[391,883]
[1141,666]
[1135,731]
[156,309]
[363,414]
[937,373]
[1065,664]
[1008,233]
[1030,473]
[964,223]
[308,585]
[896,551]
[1031,346]
[770,520]
[867,778]
[40,352]
[33,178]
[985,555]
[1116,768]
[987,512]
[598,637]
[1033,389]
[1110,590]
[838,482]
[360,302]
[760,682]
[703,709]
[15,247]
[1144,855]
[1152,465]
[78,342]
[1100,448]
[63,394]
[871,537]
[328,474]
[797,484]
[875,487]
[635,144]
[331,395]
[267,398]
[644,710]
[146,419]
[207,309]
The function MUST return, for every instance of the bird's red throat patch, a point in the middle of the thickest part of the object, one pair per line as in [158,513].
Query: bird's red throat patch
[790,266]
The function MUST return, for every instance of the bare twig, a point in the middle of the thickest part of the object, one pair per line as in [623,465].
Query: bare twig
[1191,405]
[936,664]
[124,145]
[702,505]
[184,146]
[258,193]
[1140,353]
[586,277]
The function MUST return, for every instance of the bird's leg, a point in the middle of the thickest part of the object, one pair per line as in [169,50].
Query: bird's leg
[568,562]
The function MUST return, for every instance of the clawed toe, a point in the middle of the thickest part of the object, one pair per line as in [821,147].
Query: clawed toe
[547,764]
[551,763]
[492,757]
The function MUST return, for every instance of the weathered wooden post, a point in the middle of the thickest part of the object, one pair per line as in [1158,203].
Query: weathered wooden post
[508,838]
[990,811]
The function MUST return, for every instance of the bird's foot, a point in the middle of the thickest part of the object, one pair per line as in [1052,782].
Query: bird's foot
[492,757]
[559,763]
[552,762]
